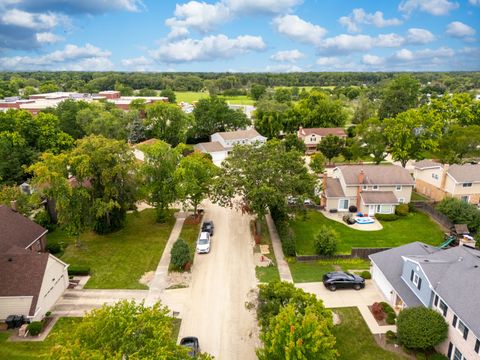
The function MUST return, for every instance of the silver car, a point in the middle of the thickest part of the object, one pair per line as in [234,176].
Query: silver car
[203,243]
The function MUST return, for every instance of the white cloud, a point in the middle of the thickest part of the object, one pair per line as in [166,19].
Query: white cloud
[474,2]
[347,43]
[37,21]
[81,6]
[419,36]
[71,57]
[433,7]
[262,6]
[207,48]
[359,16]
[460,30]
[48,37]
[332,60]
[287,56]
[298,29]
[333,63]
[283,68]
[372,59]
[389,40]
[408,55]
[140,63]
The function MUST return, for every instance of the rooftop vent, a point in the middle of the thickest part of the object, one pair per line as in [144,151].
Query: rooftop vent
[10,259]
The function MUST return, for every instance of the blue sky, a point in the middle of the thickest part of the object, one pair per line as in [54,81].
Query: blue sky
[240,35]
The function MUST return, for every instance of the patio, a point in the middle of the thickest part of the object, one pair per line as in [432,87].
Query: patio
[362,227]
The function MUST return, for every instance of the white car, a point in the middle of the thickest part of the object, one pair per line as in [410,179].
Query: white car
[203,243]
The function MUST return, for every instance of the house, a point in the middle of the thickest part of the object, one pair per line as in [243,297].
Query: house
[31,280]
[371,188]
[438,181]
[222,142]
[312,136]
[444,280]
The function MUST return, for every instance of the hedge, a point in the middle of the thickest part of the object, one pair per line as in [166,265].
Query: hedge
[386,217]
[35,328]
[78,270]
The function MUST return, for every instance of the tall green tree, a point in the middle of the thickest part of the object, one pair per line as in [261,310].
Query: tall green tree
[456,109]
[459,143]
[14,154]
[170,94]
[166,122]
[401,93]
[364,110]
[319,110]
[67,111]
[257,90]
[269,118]
[373,137]
[158,171]
[331,146]
[98,119]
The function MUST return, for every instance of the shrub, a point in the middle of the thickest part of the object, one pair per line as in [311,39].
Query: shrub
[34,328]
[420,356]
[54,248]
[378,312]
[460,212]
[437,357]
[48,313]
[180,254]
[387,308]
[386,217]
[421,328]
[402,210]
[391,335]
[390,319]
[366,275]
[326,241]
[78,270]
[286,237]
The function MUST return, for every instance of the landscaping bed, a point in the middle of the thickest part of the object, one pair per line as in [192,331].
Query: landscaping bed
[270,273]
[415,226]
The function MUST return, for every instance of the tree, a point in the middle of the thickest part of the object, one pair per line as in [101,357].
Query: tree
[166,122]
[318,110]
[124,330]
[159,171]
[364,110]
[293,142]
[13,193]
[455,109]
[14,153]
[270,118]
[459,143]
[147,92]
[67,112]
[97,119]
[180,254]
[331,146]
[374,139]
[421,328]
[326,241]
[460,212]
[136,130]
[317,163]
[352,150]
[410,134]
[263,177]
[193,179]
[170,94]
[400,94]
[283,95]
[213,115]
[256,91]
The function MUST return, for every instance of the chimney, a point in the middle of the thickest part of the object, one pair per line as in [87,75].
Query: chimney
[13,205]
[444,176]
[361,179]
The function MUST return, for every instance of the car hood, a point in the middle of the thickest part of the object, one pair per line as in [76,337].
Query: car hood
[203,246]
[358,278]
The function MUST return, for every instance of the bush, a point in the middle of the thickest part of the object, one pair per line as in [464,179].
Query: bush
[421,328]
[437,357]
[378,312]
[366,275]
[78,270]
[386,217]
[420,356]
[286,237]
[326,241]
[35,328]
[43,219]
[390,319]
[460,212]
[180,254]
[54,248]
[402,210]
[48,313]
[391,335]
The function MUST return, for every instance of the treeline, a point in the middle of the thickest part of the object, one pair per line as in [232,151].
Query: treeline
[17,83]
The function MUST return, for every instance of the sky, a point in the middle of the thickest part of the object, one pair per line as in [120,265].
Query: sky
[240,35]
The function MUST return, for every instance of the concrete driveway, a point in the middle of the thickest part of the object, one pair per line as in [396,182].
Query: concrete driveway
[215,309]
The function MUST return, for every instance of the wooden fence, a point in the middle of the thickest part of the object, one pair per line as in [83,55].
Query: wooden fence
[428,208]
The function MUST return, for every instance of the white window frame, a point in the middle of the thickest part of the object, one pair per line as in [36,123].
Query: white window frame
[465,198]
[364,187]
[401,200]
[416,279]
[463,326]
[342,200]
[398,188]
[375,187]
[467,184]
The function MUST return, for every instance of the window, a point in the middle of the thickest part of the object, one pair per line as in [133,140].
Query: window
[467,184]
[401,200]
[375,187]
[343,204]
[416,280]
[398,188]
[462,328]
[457,355]
[443,307]
[465,198]
[477,346]
[435,176]
[364,187]
[435,300]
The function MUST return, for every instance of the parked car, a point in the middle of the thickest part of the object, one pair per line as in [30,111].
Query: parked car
[191,342]
[341,280]
[203,243]
[207,226]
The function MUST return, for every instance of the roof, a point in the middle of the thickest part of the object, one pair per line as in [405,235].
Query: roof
[212,146]
[334,188]
[390,263]
[21,274]
[16,230]
[426,164]
[454,275]
[378,197]
[376,175]
[465,173]
[240,134]
[321,131]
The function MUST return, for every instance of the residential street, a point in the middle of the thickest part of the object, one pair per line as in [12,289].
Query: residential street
[215,310]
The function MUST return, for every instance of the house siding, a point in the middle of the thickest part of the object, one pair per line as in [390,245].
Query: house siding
[383,284]
[14,305]
[425,293]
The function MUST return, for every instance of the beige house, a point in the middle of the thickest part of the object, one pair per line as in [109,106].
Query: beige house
[31,280]
[312,136]
[438,181]
[373,189]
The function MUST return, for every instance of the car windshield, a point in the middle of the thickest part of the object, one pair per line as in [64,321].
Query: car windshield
[350,276]
[202,241]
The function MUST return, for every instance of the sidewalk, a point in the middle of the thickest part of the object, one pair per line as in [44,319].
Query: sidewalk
[159,281]
[283,269]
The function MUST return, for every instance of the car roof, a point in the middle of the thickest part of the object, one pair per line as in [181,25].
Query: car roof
[204,234]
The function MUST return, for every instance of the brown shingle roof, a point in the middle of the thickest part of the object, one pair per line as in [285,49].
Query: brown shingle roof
[21,274]
[239,134]
[424,164]
[17,230]
[321,131]
[465,173]
[213,146]
[376,175]
[378,198]
[334,188]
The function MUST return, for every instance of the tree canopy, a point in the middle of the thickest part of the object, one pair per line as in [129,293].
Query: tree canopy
[400,94]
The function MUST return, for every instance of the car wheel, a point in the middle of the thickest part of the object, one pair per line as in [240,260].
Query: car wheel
[332,287]
[357,287]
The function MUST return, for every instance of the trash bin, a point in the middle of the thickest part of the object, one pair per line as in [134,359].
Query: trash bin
[14,321]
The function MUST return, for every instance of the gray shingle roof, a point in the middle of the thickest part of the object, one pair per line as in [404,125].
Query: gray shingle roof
[212,146]
[334,188]
[465,173]
[424,164]
[376,175]
[379,197]
[239,134]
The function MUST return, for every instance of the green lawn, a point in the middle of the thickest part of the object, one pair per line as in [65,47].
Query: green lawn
[190,96]
[118,260]
[189,233]
[313,271]
[414,227]
[270,273]
[354,340]
[418,197]
[238,100]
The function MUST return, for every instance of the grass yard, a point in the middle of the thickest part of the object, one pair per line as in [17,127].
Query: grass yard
[238,100]
[190,233]
[313,271]
[416,226]
[118,260]
[354,340]
[269,273]
[190,96]
[418,197]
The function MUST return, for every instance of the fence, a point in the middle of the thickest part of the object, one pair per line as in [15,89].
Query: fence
[437,216]
[361,253]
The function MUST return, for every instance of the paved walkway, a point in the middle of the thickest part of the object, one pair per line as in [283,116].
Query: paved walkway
[283,269]
[159,281]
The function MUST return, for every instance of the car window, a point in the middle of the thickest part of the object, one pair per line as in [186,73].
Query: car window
[203,241]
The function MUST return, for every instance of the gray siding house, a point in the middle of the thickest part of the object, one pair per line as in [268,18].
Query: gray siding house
[447,281]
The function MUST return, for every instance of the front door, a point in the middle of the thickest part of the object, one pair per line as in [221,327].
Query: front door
[371,210]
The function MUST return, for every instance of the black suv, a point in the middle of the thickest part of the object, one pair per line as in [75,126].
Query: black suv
[207,226]
[340,280]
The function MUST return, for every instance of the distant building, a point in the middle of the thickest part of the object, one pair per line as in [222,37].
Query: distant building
[312,136]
